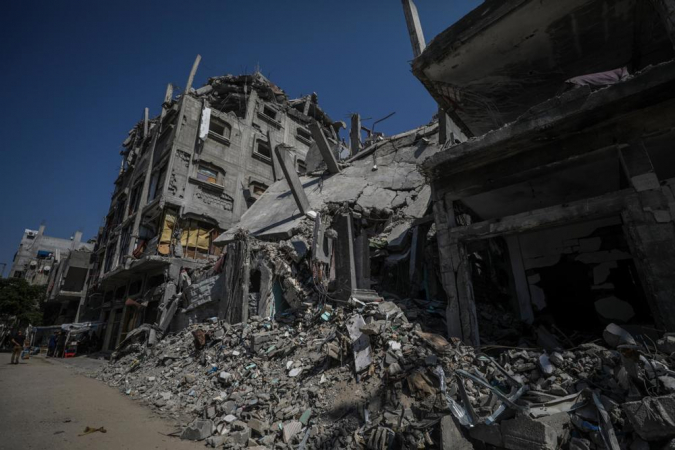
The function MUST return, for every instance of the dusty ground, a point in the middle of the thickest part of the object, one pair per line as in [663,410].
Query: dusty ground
[45,404]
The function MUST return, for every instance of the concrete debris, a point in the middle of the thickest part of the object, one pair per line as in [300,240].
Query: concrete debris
[197,430]
[266,382]
[652,417]
[451,436]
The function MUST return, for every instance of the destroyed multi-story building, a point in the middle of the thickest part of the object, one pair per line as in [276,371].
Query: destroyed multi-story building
[38,254]
[188,175]
[67,287]
[560,206]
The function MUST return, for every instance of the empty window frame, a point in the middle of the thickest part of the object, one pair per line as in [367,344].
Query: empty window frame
[110,257]
[300,166]
[156,183]
[257,188]
[124,244]
[263,149]
[135,198]
[220,128]
[304,135]
[270,112]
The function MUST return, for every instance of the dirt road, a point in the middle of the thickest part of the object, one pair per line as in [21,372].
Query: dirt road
[47,404]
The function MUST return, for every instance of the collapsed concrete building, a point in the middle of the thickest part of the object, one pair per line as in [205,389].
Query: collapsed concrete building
[561,203]
[66,294]
[527,220]
[187,175]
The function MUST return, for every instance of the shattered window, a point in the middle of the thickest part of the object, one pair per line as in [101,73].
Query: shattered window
[156,183]
[220,127]
[263,149]
[270,112]
[258,188]
[207,174]
[304,134]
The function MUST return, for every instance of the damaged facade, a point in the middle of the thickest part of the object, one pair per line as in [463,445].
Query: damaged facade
[525,223]
[186,176]
[38,254]
[560,206]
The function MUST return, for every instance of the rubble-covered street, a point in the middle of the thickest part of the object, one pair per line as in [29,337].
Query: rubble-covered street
[365,376]
[498,275]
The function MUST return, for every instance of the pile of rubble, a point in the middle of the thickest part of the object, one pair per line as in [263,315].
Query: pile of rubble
[362,375]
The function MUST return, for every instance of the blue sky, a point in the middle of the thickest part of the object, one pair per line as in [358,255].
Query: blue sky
[76,76]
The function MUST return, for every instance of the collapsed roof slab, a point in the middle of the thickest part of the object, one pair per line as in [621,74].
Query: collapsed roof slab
[574,123]
[508,55]
[387,177]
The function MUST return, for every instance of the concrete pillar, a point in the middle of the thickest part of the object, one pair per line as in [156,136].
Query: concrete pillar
[412,20]
[344,258]
[650,229]
[276,167]
[324,148]
[168,95]
[292,178]
[461,317]
[362,259]
[355,135]
[444,133]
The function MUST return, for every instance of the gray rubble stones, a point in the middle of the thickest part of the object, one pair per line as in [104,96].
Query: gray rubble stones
[525,433]
[614,335]
[652,417]
[451,436]
[290,430]
[258,427]
[490,434]
[197,430]
[666,344]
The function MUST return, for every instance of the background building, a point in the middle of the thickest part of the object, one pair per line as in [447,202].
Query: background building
[37,254]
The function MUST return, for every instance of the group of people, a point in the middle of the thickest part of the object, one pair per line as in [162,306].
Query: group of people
[57,344]
[86,342]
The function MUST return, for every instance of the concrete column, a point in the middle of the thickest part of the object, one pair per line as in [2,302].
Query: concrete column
[362,259]
[344,258]
[324,147]
[168,95]
[276,167]
[650,229]
[412,20]
[293,180]
[355,135]
[461,318]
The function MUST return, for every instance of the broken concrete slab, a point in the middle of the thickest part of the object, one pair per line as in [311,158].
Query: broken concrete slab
[399,237]
[489,434]
[360,343]
[290,430]
[652,417]
[197,430]
[525,433]
[451,436]
[614,335]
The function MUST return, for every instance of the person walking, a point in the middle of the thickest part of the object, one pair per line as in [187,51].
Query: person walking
[18,339]
[52,344]
[61,344]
